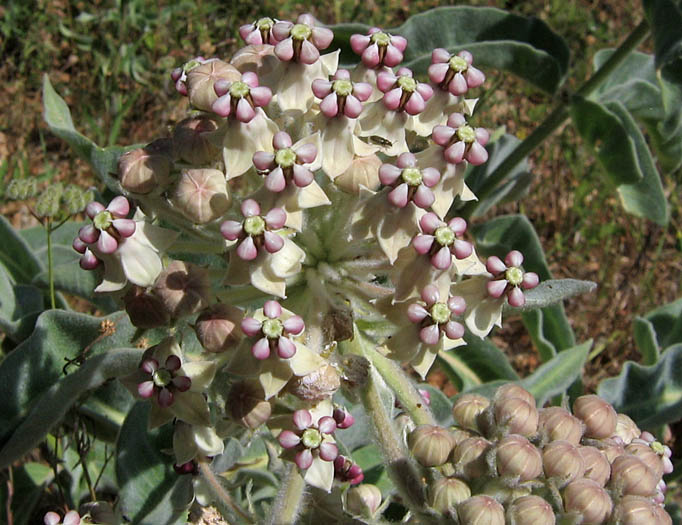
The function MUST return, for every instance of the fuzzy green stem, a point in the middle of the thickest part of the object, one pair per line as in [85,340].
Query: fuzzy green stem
[50,263]
[289,499]
[400,466]
[556,118]
[220,493]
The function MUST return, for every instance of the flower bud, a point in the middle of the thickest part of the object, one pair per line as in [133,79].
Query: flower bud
[630,475]
[201,195]
[192,140]
[363,500]
[510,390]
[145,309]
[648,456]
[612,448]
[446,493]
[599,416]
[562,460]
[183,287]
[431,445]
[48,202]
[466,409]
[75,199]
[480,510]
[246,404]
[22,189]
[531,510]
[597,467]
[515,413]
[626,429]
[217,327]
[586,498]
[257,58]
[317,385]
[557,423]
[469,457]
[635,510]
[516,456]
[142,170]
[201,79]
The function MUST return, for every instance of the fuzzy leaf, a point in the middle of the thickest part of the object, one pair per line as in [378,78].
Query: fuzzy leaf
[17,256]
[554,291]
[20,306]
[665,19]
[651,395]
[526,47]
[667,323]
[645,337]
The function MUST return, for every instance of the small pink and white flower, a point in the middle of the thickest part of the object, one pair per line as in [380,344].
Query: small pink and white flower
[402,92]
[240,98]
[409,182]
[509,279]
[70,518]
[163,381]
[109,226]
[302,41]
[340,96]
[377,48]
[345,469]
[259,32]
[274,332]
[179,74]
[440,241]
[288,164]
[256,232]
[436,318]
[461,142]
[454,73]
[310,440]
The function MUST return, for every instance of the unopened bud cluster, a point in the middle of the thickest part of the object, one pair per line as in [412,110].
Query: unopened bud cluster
[506,461]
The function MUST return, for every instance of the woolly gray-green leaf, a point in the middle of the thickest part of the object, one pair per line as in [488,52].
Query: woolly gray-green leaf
[553,291]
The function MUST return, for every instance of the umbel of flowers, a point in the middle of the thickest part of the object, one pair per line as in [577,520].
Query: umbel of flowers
[297,198]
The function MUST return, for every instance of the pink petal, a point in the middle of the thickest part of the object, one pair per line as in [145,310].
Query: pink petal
[454,330]
[415,104]
[455,153]
[247,249]
[329,106]
[302,419]
[51,518]
[416,313]
[88,234]
[362,90]
[477,154]
[273,242]
[405,72]
[306,153]
[326,425]
[79,245]
[321,87]
[165,398]
[250,79]
[514,258]
[430,176]
[275,181]
[304,459]
[275,218]
[442,135]
[430,222]
[422,243]
[309,53]
[398,197]
[474,77]
[221,86]
[261,349]
[294,325]
[516,297]
[458,85]
[288,439]
[437,72]
[125,227]
[530,280]
[263,160]
[251,326]
[430,335]
[119,207]
[146,389]
[261,96]
[482,136]
[93,209]
[182,383]
[386,81]
[246,29]
[322,37]
[353,107]
[393,56]
[423,197]
[466,55]
[250,208]
[328,451]
[400,42]
[72,518]
[254,39]
[231,230]
[358,43]
[285,49]
[425,91]
[457,304]
[406,160]
[302,176]
[462,249]
[496,288]
[282,29]
[440,56]
[388,174]
[430,294]
[285,348]
[456,120]
[495,265]
[370,56]
[392,98]
[458,225]
[172,363]
[245,111]
[106,243]
[442,259]
[88,261]
[181,88]
[222,105]
[281,140]
[272,309]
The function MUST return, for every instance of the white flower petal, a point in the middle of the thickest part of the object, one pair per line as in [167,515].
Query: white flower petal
[274,375]
[191,407]
[320,474]
[450,186]
[141,263]
[304,361]
[422,363]
[208,441]
[242,140]
[337,145]
[184,447]
[201,373]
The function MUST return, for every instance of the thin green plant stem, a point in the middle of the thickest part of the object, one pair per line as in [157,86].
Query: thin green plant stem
[219,492]
[556,118]
[50,262]
[289,499]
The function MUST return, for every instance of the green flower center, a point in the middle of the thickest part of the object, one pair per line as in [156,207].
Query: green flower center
[301,32]
[161,377]
[272,328]
[311,438]
[239,89]
[412,176]
[466,133]
[103,220]
[342,87]
[444,236]
[407,84]
[658,447]
[514,276]
[254,225]
[189,66]
[380,38]
[265,24]
[458,64]
[440,313]
[285,158]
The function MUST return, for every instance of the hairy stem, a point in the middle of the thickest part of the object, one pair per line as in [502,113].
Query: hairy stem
[288,503]
[220,493]
[556,118]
